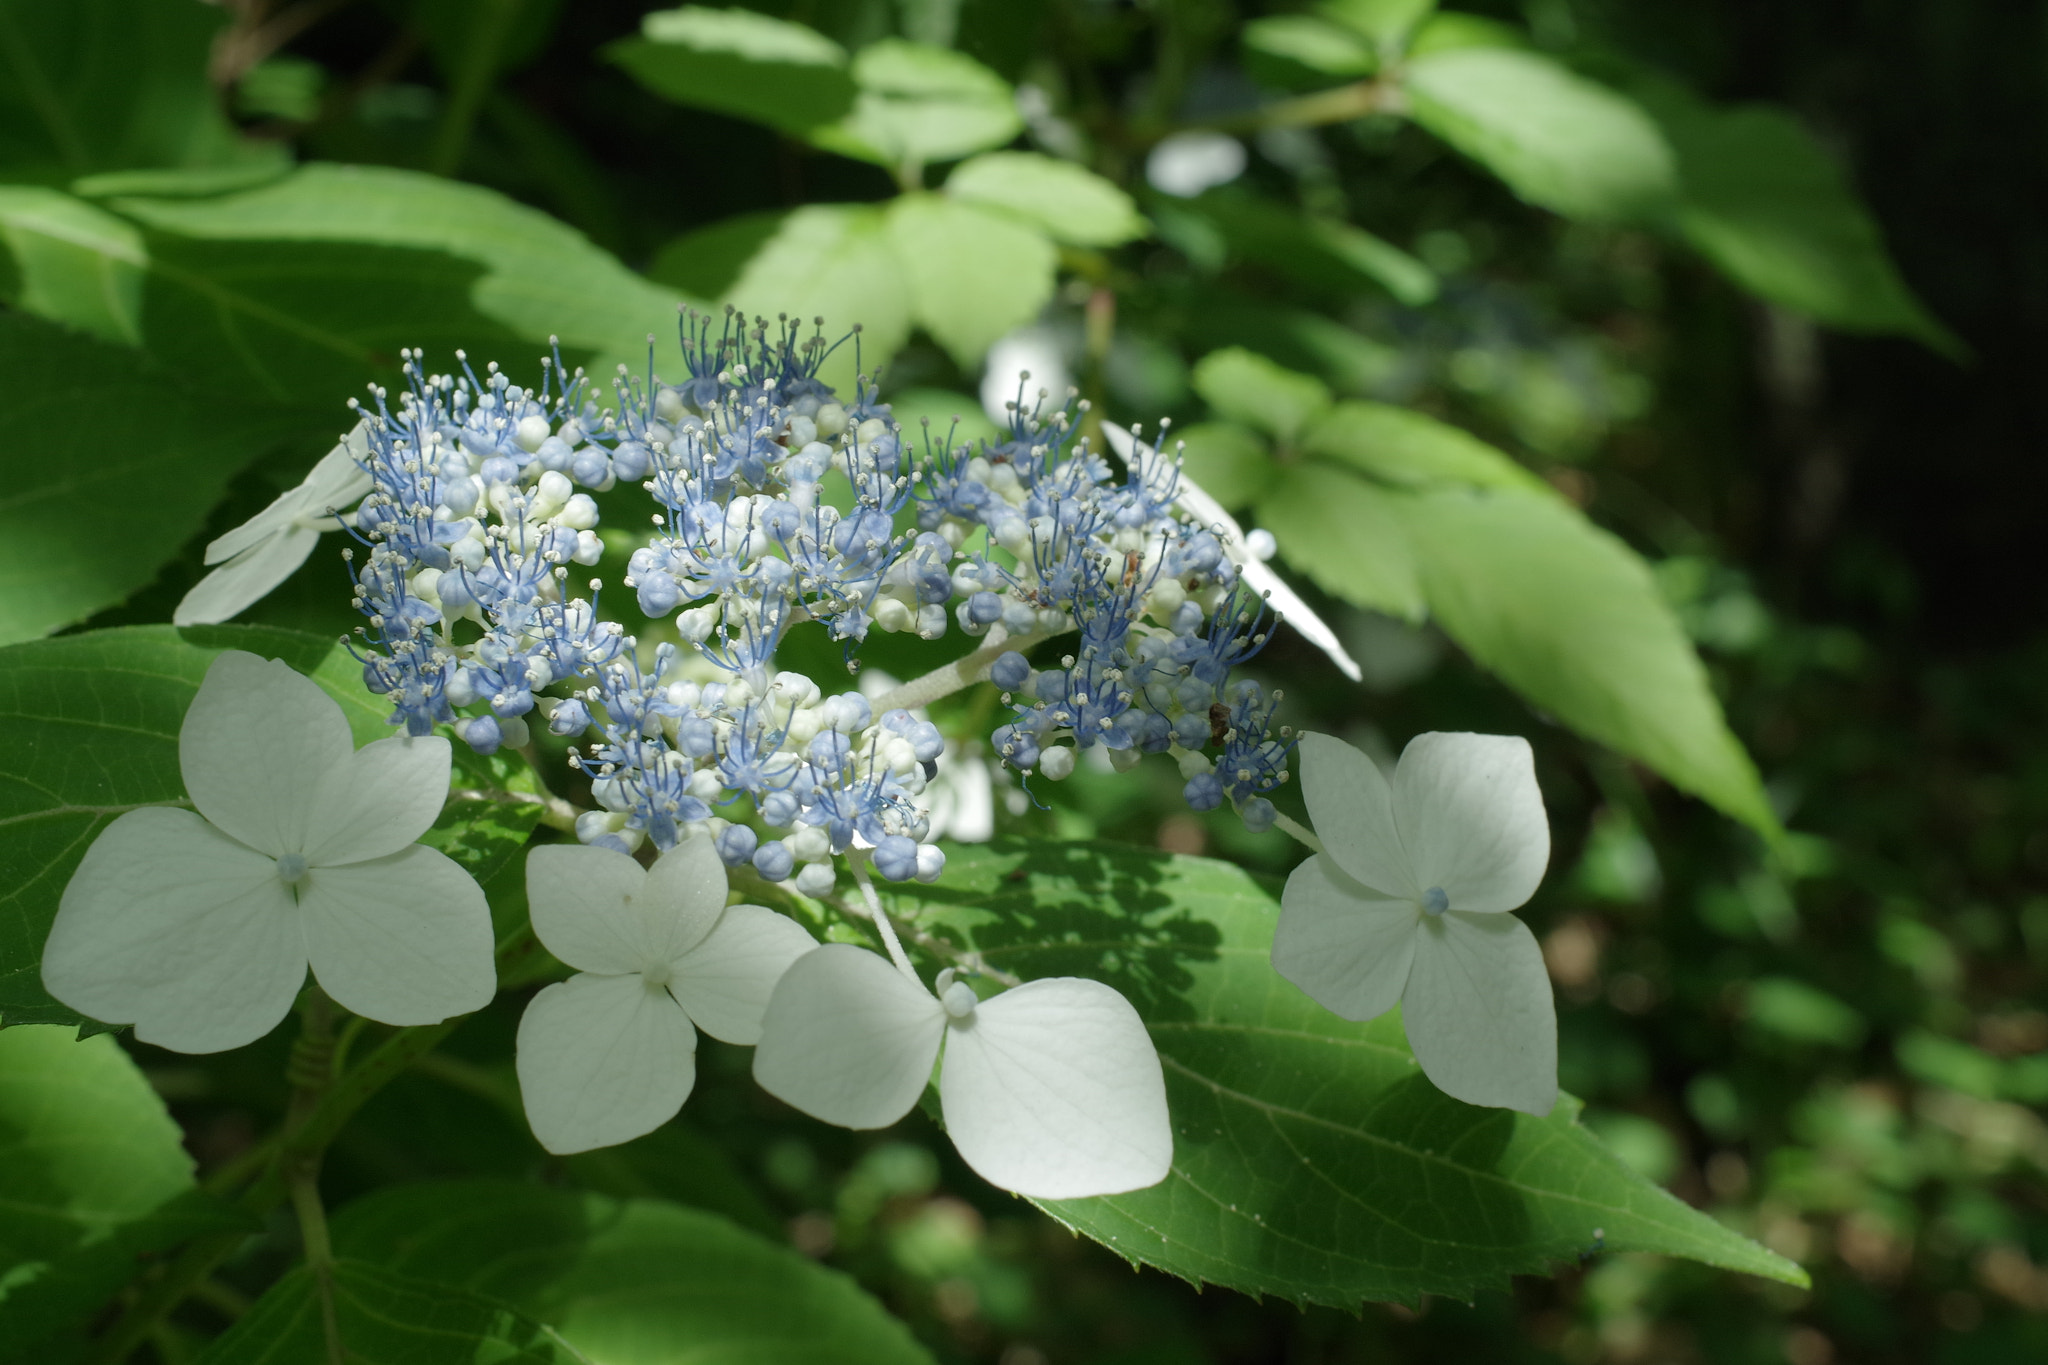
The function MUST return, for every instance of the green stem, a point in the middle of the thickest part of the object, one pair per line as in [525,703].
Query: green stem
[1340,105]
[471,82]
[947,679]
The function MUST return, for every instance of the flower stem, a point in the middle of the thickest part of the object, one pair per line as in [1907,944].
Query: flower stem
[1300,831]
[947,679]
[857,862]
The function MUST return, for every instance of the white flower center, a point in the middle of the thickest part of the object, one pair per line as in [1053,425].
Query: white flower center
[1434,901]
[656,976]
[292,869]
[959,1000]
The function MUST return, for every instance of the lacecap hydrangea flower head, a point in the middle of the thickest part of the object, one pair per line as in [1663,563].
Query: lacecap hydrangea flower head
[197,926]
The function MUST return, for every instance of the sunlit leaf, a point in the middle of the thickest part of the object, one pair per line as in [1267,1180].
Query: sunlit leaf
[734,61]
[1560,141]
[974,276]
[1248,388]
[919,104]
[1067,202]
[73,263]
[832,261]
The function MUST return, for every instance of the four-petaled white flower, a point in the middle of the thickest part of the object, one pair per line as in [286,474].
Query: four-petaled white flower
[611,1053]
[263,551]
[198,928]
[1051,1089]
[1406,904]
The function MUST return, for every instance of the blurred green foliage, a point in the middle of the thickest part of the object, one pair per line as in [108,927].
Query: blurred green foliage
[1836,1042]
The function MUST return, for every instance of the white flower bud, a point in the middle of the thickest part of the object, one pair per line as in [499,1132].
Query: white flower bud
[695,624]
[893,615]
[831,420]
[706,784]
[1056,763]
[589,548]
[1192,764]
[810,843]
[579,513]
[513,733]
[531,432]
[802,431]
[794,689]
[816,879]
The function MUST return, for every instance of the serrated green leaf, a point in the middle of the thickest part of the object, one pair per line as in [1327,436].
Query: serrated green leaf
[92,722]
[85,1145]
[538,277]
[1312,1159]
[75,264]
[974,276]
[1773,211]
[108,85]
[1229,462]
[1410,450]
[1570,617]
[1560,141]
[385,1318]
[1250,389]
[734,61]
[1346,535]
[919,104]
[122,469]
[833,261]
[627,1282]
[1069,203]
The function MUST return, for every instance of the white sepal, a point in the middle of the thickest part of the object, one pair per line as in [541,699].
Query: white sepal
[1347,948]
[848,1039]
[175,928]
[1471,818]
[1479,1013]
[603,1060]
[254,746]
[724,982]
[1053,1089]
[403,939]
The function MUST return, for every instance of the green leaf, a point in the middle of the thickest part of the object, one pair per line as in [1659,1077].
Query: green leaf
[1248,388]
[93,723]
[918,104]
[737,62]
[1069,203]
[1229,462]
[627,1282]
[1347,536]
[110,84]
[57,1298]
[1450,32]
[1409,450]
[1312,1159]
[385,1318]
[85,1145]
[973,275]
[538,277]
[832,261]
[1792,1009]
[1560,141]
[1772,210]
[1386,22]
[1300,50]
[483,833]
[1321,253]
[76,264]
[706,263]
[121,471]
[1570,618]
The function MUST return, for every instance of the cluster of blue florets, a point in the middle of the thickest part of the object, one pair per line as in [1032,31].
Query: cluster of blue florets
[779,505]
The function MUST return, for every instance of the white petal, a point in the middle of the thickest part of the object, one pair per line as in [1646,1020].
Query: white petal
[1258,576]
[579,898]
[247,578]
[332,484]
[602,1060]
[1053,1090]
[725,980]
[1352,809]
[684,896]
[1347,947]
[255,744]
[170,925]
[1479,1013]
[381,798]
[1471,818]
[848,1039]
[404,939]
